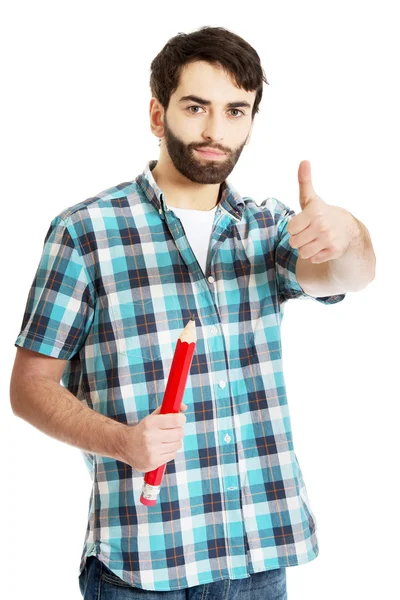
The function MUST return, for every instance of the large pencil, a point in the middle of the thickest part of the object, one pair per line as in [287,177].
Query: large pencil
[172,401]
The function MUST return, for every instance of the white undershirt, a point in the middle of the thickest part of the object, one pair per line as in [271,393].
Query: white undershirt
[197,225]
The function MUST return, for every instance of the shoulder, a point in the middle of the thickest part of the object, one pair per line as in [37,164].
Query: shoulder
[113,196]
[270,211]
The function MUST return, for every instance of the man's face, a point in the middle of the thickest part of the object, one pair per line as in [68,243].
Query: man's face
[193,124]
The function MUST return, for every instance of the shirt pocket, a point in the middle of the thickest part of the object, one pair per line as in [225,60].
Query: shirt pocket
[140,325]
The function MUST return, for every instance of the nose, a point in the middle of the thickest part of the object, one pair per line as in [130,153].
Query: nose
[213,132]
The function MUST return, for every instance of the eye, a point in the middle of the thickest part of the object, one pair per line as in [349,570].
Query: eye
[197,106]
[189,107]
[237,110]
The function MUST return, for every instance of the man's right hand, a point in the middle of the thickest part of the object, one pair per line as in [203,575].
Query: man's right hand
[155,440]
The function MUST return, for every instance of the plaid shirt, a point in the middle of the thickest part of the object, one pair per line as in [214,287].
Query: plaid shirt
[116,284]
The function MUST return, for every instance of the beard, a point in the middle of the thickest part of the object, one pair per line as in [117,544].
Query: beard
[191,165]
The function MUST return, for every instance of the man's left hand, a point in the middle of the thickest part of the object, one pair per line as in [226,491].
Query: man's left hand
[320,231]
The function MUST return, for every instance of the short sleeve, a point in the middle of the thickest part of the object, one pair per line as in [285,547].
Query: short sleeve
[286,259]
[59,310]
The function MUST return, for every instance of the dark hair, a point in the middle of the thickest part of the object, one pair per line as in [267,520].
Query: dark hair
[215,45]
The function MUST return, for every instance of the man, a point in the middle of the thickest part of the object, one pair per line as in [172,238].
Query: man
[120,276]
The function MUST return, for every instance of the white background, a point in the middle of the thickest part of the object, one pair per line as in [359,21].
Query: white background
[75,120]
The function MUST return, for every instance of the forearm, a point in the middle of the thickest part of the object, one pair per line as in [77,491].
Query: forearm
[50,407]
[356,268]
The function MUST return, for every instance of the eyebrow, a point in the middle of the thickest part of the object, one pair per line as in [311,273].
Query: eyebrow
[206,102]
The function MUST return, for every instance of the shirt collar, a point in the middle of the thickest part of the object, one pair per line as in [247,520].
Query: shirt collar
[230,199]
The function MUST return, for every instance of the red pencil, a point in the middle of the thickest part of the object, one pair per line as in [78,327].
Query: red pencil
[172,401]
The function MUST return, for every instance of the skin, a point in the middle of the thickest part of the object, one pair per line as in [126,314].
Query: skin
[188,179]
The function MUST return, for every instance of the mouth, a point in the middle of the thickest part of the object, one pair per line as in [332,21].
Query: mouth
[209,154]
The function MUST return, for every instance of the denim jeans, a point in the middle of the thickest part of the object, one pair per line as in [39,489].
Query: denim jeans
[98,582]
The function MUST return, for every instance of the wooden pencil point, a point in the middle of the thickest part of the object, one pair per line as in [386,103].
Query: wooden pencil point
[189,332]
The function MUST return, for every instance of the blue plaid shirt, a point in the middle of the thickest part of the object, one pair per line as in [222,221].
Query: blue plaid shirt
[116,284]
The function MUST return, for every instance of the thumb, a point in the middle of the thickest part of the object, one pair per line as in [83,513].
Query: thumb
[306,189]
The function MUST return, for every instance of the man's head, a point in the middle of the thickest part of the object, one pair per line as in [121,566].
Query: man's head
[218,68]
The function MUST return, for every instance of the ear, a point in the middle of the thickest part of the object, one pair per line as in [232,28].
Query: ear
[156,113]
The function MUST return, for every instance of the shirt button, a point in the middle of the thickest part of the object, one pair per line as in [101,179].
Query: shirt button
[222,384]
[213,329]
[160,211]
[211,279]
[227,438]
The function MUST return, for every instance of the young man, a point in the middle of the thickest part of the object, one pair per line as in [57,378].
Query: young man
[120,276]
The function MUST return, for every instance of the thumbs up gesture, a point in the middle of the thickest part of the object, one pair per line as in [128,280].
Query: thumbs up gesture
[321,232]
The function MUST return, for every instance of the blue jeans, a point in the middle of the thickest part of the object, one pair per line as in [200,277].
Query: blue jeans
[98,582]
